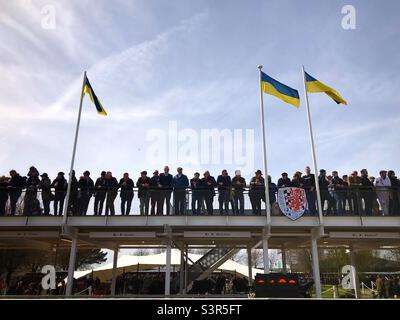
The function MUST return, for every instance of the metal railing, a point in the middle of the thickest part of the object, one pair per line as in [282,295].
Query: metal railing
[350,202]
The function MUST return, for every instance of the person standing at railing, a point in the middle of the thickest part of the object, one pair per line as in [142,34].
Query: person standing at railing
[15,186]
[73,205]
[111,185]
[366,192]
[309,187]
[31,203]
[47,196]
[257,192]
[382,185]
[195,185]
[273,189]
[126,184]
[155,190]
[166,184]
[224,192]
[354,187]
[180,183]
[394,207]
[86,186]
[338,192]
[143,184]
[346,192]
[323,187]
[284,181]
[238,185]
[208,185]
[3,195]
[60,188]
[100,193]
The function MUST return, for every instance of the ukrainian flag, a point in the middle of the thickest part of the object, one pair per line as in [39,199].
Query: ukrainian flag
[313,85]
[87,88]
[279,90]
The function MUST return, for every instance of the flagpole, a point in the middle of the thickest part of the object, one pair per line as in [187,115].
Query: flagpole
[264,148]
[314,159]
[65,216]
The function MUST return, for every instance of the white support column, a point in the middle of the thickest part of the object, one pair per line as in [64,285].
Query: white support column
[265,255]
[186,268]
[355,279]
[114,271]
[283,253]
[71,267]
[250,265]
[315,264]
[182,270]
[168,269]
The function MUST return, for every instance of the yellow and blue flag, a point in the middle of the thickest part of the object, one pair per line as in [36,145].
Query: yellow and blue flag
[313,85]
[280,90]
[87,88]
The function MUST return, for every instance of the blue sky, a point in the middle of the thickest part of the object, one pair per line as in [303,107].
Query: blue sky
[195,62]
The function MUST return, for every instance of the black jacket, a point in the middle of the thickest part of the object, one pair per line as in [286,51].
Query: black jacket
[126,187]
[143,191]
[60,186]
[16,184]
[224,183]
[86,186]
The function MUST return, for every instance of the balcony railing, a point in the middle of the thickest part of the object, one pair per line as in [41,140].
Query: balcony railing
[351,202]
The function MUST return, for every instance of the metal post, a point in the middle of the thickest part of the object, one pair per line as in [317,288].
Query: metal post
[264,148]
[114,271]
[181,270]
[283,253]
[71,267]
[315,263]
[168,269]
[265,255]
[250,265]
[186,268]
[355,278]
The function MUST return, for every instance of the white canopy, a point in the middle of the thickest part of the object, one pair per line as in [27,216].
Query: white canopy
[130,263]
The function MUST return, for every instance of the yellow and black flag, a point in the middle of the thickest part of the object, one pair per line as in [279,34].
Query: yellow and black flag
[87,88]
[313,85]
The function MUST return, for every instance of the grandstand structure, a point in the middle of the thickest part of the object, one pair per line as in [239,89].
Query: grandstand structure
[222,235]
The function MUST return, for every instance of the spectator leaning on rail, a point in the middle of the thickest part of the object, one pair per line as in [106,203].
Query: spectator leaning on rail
[60,188]
[143,184]
[180,183]
[73,203]
[155,189]
[395,187]
[238,185]
[15,186]
[338,192]
[31,203]
[126,184]
[47,196]
[166,184]
[273,189]
[257,192]
[224,192]
[354,188]
[100,193]
[309,187]
[382,185]
[196,187]
[86,187]
[366,192]
[323,187]
[111,185]
[284,181]
[208,184]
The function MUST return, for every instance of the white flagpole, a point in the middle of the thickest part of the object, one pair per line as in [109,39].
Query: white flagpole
[65,216]
[314,159]
[264,148]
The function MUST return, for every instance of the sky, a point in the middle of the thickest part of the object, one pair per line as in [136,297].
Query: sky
[168,71]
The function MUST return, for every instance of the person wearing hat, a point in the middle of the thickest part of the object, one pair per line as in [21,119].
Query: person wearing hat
[86,187]
[60,188]
[143,184]
[126,184]
[382,185]
[284,181]
[257,192]
[47,196]
[224,192]
[155,190]
[195,185]
[180,182]
[238,185]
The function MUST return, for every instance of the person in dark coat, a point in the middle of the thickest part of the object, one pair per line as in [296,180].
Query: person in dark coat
[238,185]
[208,184]
[73,203]
[86,186]
[366,192]
[284,181]
[224,192]
[126,184]
[60,189]
[3,195]
[195,186]
[100,193]
[47,196]
[273,189]
[111,185]
[394,202]
[257,192]
[155,196]
[15,186]
[309,187]
[180,182]
[143,184]
[325,196]
[31,204]
[166,183]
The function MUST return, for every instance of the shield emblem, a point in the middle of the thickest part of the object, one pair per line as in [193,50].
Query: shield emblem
[292,202]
